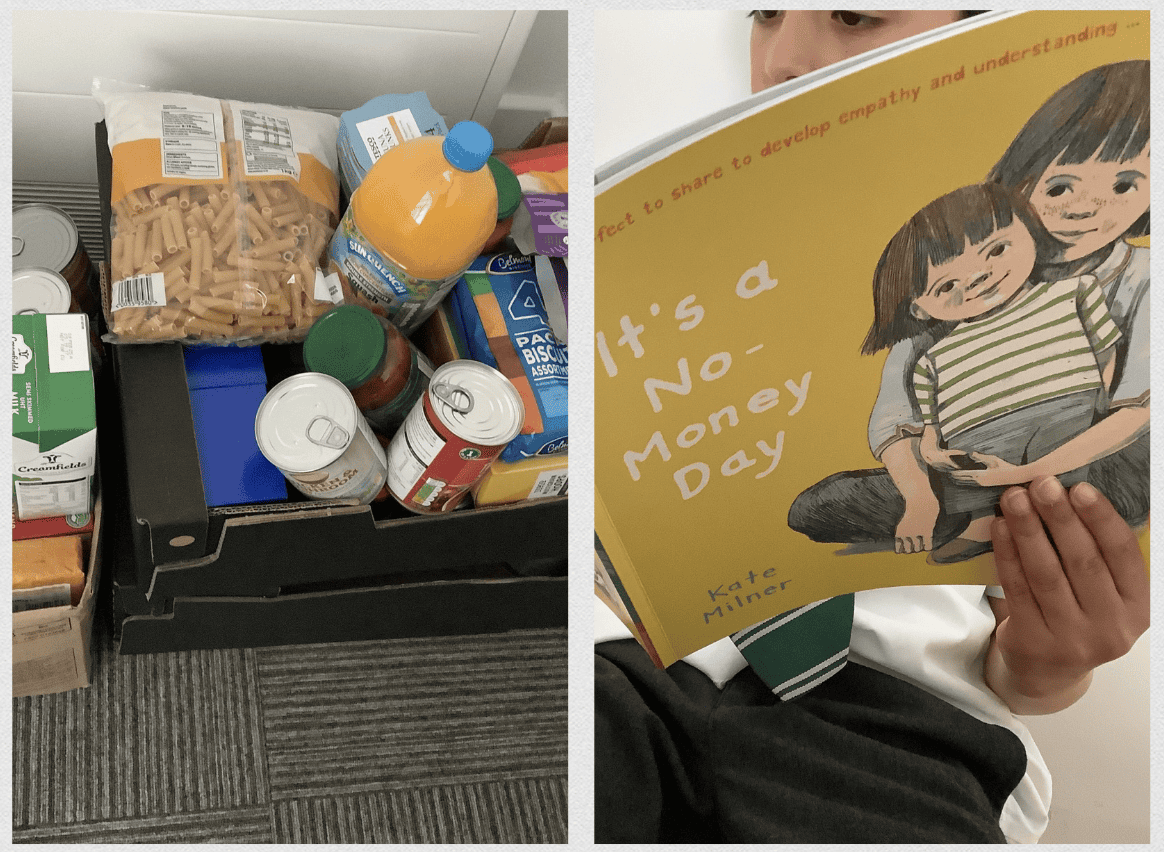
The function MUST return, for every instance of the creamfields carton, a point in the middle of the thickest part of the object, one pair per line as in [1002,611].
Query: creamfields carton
[54,418]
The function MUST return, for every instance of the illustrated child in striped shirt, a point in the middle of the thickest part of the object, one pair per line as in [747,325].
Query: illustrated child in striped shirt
[1019,363]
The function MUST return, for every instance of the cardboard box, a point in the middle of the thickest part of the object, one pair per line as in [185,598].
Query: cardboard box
[52,649]
[54,416]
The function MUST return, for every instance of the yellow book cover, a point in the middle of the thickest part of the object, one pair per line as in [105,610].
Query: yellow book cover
[935,255]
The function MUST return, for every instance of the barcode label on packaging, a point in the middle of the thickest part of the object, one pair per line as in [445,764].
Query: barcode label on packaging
[268,148]
[139,291]
[552,483]
[387,131]
[190,144]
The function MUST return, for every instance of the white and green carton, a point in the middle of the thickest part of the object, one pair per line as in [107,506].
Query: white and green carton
[54,416]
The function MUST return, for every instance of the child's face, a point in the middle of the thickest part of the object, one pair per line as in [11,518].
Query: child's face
[981,278]
[1088,205]
[788,44]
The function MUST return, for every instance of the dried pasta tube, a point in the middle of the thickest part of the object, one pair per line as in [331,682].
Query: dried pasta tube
[228,286]
[224,242]
[155,250]
[161,191]
[176,260]
[184,197]
[196,259]
[199,307]
[139,201]
[252,263]
[274,247]
[208,328]
[215,202]
[150,215]
[285,219]
[255,235]
[224,214]
[259,222]
[139,246]
[206,214]
[117,252]
[207,252]
[283,210]
[168,239]
[260,194]
[176,225]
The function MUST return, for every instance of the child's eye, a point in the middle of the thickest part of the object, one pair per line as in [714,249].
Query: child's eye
[763,15]
[853,20]
[944,288]
[1124,186]
[998,250]
[1057,190]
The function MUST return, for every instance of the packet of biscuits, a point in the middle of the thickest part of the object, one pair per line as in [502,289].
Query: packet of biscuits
[221,212]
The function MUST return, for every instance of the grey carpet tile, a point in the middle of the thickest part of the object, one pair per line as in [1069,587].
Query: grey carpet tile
[395,714]
[528,810]
[245,825]
[156,734]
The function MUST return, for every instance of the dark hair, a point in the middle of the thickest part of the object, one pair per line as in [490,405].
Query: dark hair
[934,235]
[1103,113]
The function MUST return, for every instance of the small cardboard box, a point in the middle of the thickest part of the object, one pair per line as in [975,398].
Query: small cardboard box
[54,416]
[52,649]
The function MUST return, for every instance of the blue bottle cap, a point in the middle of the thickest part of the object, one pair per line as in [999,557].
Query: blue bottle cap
[468,146]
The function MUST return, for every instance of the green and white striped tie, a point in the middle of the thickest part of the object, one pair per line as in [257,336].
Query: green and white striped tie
[798,649]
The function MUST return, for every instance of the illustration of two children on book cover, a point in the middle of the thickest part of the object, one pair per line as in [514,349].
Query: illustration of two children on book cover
[1016,317]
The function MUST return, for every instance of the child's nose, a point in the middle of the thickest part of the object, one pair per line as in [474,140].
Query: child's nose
[977,281]
[1082,207]
[793,49]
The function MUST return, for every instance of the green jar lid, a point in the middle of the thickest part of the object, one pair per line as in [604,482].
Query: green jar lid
[347,342]
[508,188]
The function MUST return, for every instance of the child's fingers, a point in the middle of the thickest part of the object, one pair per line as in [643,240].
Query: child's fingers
[1115,540]
[1021,603]
[1085,566]
[1038,560]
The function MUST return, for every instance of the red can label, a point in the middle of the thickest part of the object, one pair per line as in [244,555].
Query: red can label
[430,469]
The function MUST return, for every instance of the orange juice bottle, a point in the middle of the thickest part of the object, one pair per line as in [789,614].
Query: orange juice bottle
[419,218]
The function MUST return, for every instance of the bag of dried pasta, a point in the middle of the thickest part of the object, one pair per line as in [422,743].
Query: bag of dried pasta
[221,211]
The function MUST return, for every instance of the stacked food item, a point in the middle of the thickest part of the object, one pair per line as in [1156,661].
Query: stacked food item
[54,423]
[382,248]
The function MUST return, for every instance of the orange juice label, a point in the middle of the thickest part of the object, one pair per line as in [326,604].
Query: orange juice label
[407,299]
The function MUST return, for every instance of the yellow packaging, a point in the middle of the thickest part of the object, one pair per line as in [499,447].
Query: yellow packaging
[528,479]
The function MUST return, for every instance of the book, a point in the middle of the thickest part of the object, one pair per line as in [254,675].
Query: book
[735,262]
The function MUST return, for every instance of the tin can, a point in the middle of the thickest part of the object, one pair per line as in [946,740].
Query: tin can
[44,237]
[308,426]
[40,291]
[453,433]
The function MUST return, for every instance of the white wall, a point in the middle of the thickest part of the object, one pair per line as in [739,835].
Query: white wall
[657,70]
[325,60]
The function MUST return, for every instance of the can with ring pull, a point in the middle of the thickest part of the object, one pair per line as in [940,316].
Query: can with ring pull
[309,427]
[453,433]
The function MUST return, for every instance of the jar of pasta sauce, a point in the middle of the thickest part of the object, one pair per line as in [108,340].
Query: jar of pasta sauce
[375,361]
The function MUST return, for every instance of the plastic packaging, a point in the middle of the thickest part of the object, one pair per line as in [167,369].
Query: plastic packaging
[221,213]
[421,216]
[385,373]
[384,122]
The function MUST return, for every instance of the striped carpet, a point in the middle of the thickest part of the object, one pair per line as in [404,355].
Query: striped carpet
[445,740]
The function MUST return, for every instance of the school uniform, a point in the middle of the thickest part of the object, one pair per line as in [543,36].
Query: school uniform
[905,744]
